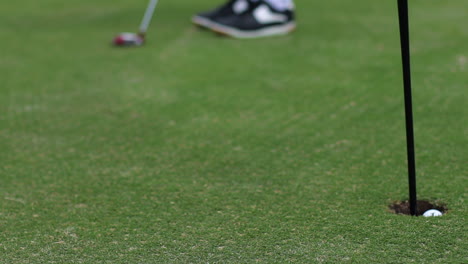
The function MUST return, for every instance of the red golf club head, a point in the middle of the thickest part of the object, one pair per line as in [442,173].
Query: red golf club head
[129,39]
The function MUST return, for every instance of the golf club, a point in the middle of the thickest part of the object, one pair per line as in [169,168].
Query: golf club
[405,55]
[137,39]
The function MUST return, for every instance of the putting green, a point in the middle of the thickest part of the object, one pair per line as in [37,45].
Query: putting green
[200,149]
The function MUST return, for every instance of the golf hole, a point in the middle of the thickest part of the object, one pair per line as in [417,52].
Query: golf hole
[403,207]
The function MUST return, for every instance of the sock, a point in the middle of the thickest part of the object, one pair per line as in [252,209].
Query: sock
[280,5]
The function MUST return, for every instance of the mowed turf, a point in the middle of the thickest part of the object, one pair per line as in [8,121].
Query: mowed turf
[202,149]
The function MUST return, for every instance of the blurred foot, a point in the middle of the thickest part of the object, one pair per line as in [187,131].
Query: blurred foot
[232,7]
[247,19]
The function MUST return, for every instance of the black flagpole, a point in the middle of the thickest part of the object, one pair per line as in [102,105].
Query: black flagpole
[405,55]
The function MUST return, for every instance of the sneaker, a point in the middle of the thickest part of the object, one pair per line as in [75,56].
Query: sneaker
[232,7]
[259,20]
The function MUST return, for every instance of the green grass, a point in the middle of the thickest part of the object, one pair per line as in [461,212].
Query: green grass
[201,149]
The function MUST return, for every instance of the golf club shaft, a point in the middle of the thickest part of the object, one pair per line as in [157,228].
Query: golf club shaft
[147,17]
[405,55]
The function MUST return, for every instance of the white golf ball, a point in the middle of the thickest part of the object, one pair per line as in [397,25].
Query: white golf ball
[432,212]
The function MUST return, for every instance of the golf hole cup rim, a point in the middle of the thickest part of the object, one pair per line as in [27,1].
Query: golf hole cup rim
[403,207]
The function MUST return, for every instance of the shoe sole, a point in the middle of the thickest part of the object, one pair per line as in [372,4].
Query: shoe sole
[236,33]
[202,22]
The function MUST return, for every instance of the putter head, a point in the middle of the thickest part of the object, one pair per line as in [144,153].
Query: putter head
[129,39]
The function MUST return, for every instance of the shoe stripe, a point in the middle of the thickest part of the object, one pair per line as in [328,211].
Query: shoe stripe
[240,6]
[264,15]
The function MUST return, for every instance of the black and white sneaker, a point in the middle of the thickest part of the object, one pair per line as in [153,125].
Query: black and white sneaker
[258,20]
[232,7]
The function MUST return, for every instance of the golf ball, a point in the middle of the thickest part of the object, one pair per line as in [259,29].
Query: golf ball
[432,212]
